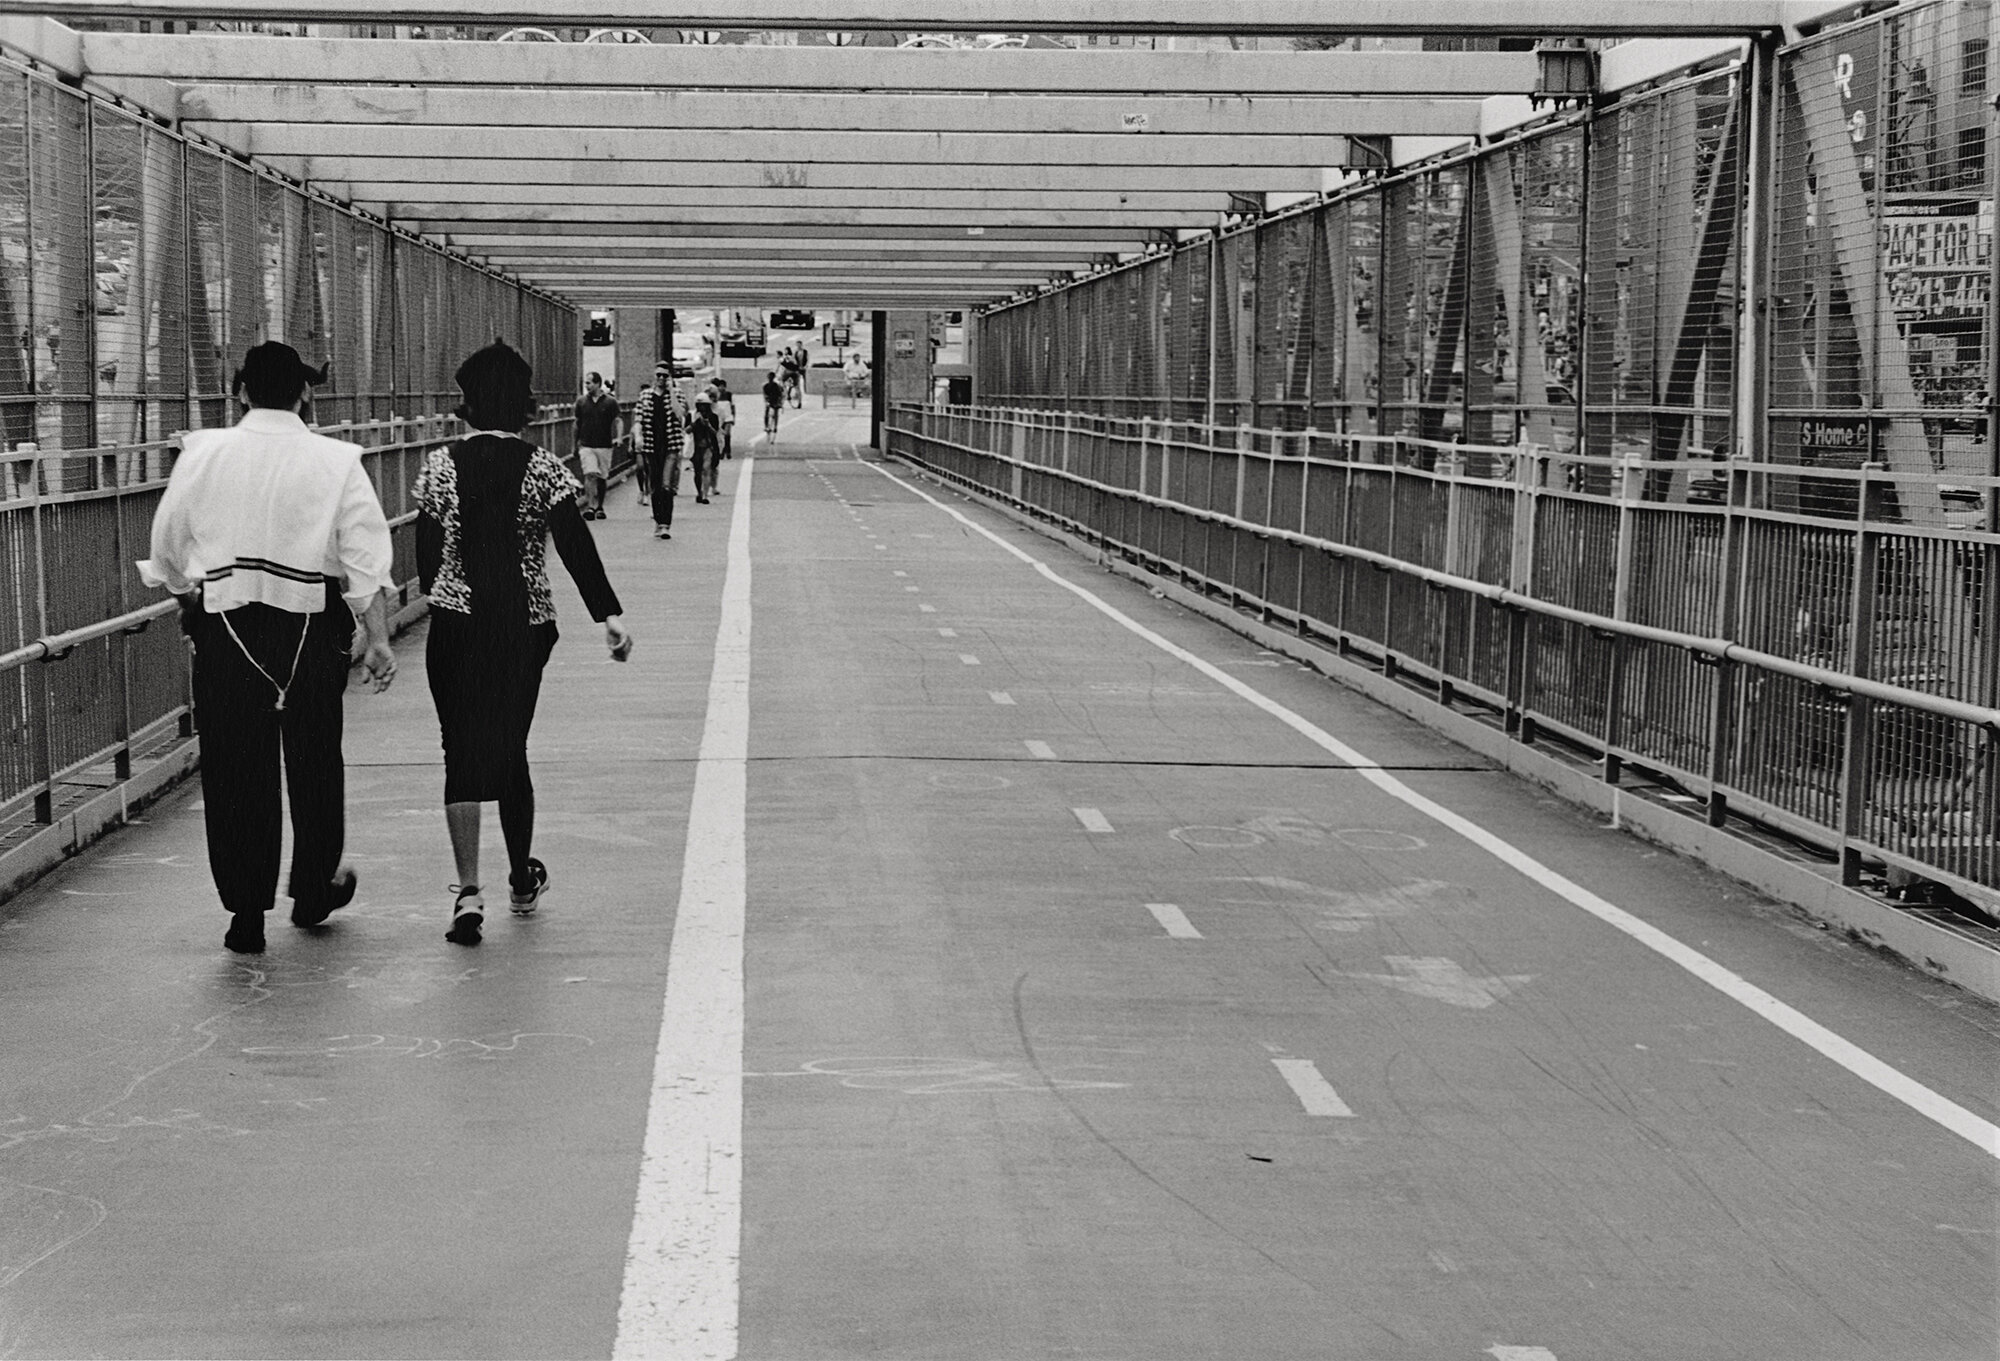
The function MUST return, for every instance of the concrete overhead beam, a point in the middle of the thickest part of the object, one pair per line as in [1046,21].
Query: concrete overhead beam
[736,175]
[758,200]
[457,217]
[783,149]
[1240,17]
[683,110]
[1041,233]
[885,247]
[256,59]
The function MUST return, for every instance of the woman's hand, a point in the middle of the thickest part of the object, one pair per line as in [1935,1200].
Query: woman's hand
[617,637]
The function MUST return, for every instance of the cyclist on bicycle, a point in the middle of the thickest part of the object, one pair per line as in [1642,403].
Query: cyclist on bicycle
[774,401]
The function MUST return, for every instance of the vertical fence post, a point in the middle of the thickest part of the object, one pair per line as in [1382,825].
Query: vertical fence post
[1856,765]
[1520,578]
[1631,487]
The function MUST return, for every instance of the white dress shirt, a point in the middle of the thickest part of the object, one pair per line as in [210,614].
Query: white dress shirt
[267,512]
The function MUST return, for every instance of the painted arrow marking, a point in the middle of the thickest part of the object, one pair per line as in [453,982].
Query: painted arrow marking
[1444,979]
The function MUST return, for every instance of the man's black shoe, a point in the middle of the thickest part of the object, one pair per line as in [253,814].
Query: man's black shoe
[246,933]
[339,895]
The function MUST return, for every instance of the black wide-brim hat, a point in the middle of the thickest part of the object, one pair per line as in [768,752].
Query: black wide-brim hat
[275,365]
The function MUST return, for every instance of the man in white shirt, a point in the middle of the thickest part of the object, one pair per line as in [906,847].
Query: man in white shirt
[274,540]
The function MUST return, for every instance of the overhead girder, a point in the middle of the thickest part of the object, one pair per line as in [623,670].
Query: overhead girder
[737,175]
[458,217]
[885,246]
[779,148]
[757,201]
[1240,17]
[616,255]
[1038,233]
[1163,114]
[258,59]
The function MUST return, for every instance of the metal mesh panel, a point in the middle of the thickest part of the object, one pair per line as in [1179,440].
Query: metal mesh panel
[1362,315]
[121,257]
[166,284]
[1441,302]
[1235,330]
[60,260]
[208,290]
[1576,553]
[1550,186]
[1402,317]
[1325,314]
[1798,591]
[17,377]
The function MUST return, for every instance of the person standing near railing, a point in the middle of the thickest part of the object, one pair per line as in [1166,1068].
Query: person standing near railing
[599,425]
[274,541]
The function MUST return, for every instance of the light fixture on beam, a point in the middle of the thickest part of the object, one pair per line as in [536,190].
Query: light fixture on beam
[1565,72]
[1367,154]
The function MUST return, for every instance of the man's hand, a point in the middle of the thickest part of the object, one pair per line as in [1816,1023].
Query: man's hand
[380,663]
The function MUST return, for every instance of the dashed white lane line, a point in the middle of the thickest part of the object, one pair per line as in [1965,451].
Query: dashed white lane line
[947,633]
[681,1290]
[881,548]
[1314,1092]
[927,609]
[1932,1105]
[1041,751]
[968,659]
[913,588]
[1092,820]
[1173,921]
[1001,696]
[1500,1351]
[899,574]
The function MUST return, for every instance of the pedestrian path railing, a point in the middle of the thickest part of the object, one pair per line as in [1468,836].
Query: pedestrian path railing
[93,668]
[1831,679]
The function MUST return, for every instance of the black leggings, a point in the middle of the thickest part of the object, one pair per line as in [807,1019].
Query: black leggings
[485,681]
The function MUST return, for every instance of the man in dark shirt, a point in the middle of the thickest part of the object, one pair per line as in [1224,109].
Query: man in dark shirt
[774,401]
[598,426]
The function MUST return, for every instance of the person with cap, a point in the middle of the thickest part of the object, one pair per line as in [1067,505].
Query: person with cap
[487,507]
[662,418]
[274,540]
[707,444]
[725,412]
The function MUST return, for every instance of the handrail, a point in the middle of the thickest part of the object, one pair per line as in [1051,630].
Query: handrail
[1717,648]
[58,645]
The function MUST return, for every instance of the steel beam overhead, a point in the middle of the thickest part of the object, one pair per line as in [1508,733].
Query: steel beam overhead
[681,110]
[779,148]
[611,258]
[1067,235]
[220,57]
[475,216]
[730,176]
[798,266]
[758,200]
[1244,17]
[885,247]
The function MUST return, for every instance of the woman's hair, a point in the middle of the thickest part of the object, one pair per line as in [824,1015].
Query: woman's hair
[499,389]
[273,375]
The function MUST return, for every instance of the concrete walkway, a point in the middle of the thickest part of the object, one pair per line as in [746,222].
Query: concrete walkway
[1090,1006]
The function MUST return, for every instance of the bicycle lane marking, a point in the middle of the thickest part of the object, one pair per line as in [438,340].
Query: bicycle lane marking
[681,1292]
[1935,1106]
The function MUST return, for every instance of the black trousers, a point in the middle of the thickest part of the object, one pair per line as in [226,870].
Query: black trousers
[244,734]
[663,472]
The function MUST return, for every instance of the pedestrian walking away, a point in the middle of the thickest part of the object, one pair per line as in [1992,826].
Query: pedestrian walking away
[774,402]
[725,414]
[599,424]
[274,541]
[706,443]
[662,433]
[488,506]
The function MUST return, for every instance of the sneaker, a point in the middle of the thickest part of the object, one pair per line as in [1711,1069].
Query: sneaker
[645,500]
[468,914]
[245,934]
[338,896]
[701,500]
[660,532]
[522,901]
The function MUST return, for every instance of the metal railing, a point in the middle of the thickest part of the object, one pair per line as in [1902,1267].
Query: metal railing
[1802,673]
[85,679]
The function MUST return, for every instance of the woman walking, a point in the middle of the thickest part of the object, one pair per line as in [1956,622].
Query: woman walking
[487,507]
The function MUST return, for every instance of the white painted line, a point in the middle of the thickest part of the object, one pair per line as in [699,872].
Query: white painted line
[1500,1351]
[1001,696]
[881,548]
[947,633]
[1174,920]
[1092,820]
[912,588]
[1314,1092]
[1932,1105]
[968,659]
[1041,751]
[681,1290]
[899,574]
[927,609]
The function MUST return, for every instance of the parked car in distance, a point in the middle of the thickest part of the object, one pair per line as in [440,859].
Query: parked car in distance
[787,319]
